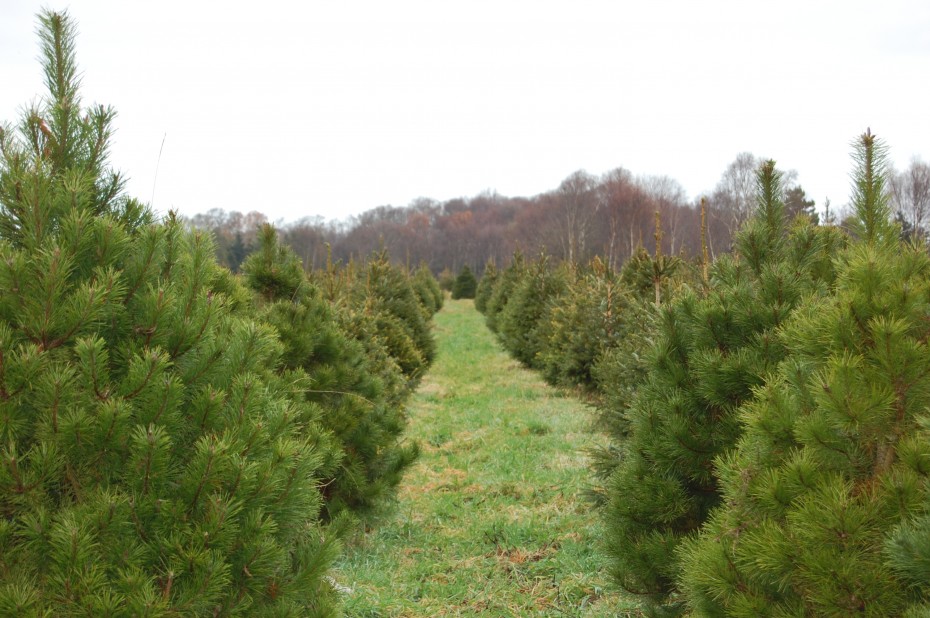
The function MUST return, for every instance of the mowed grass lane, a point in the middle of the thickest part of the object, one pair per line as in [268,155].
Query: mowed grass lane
[492,520]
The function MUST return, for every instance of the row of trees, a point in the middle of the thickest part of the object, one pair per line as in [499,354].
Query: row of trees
[176,439]
[767,412]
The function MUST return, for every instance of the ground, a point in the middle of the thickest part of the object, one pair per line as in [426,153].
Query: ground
[493,518]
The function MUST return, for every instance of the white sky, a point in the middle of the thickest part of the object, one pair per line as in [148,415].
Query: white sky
[332,108]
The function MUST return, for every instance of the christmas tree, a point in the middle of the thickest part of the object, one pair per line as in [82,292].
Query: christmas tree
[465,284]
[522,324]
[712,350]
[398,319]
[583,323]
[428,291]
[485,286]
[504,286]
[355,400]
[826,494]
[150,463]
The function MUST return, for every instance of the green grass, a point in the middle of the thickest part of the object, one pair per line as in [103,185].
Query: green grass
[492,519]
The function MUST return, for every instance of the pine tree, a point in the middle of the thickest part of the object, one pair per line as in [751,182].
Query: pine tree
[446,280]
[428,291]
[797,204]
[150,464]
[486,287]
[712,351]
[379,306]
[465,284]
[631,320]
[507,280]
[828,488]
[356,404]
[582,324]
[522,323]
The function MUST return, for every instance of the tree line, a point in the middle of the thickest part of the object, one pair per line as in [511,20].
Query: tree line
[586,215]
[610,216]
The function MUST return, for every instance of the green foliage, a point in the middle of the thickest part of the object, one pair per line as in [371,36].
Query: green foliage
[582,323]
[871,204]
[69,143]
[446,280]
[500,295]
[622,364]
[465,284]
[396,315]
[428,291]
[355,392]
[150,463]
[523,323]
[274,270]
[797,205]
[486,287]
[826,493]
[653,277]
[711,351]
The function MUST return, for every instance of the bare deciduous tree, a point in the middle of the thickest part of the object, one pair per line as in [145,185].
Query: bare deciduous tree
[613,203]
[577,202]
[734,197]
[910,196]
[669,198]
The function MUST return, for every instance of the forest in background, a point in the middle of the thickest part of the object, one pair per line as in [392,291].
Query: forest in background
[610,216]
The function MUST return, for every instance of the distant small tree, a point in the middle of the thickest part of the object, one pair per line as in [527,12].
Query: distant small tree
[486,286]
[427,288]
[523,324]
[507,281]
[796,204]
[465,284]
[446,280]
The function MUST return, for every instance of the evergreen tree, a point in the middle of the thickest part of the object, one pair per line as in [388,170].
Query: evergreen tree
[446,280]
[797,204]
[618,370]
[500,295]
[712,350]
[356,404]
[522,324]
[486,287]
[150,464]
[465,284]
[428,291]
[828,488]
[237,252]
[392,313]
[583,323]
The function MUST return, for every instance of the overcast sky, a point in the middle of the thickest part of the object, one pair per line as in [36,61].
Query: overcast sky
[331,108]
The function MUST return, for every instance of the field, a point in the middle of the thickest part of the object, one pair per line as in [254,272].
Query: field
[493,519]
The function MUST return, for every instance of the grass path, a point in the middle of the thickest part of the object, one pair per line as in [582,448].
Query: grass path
[492,519]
